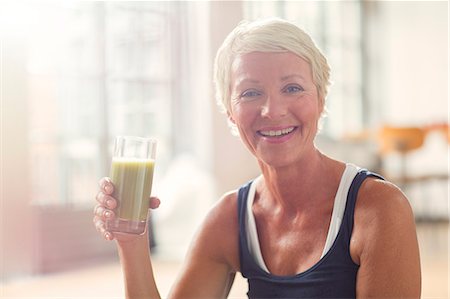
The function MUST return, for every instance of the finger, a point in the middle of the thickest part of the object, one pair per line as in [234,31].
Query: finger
[99,223]
[110,202]
[107,235]
[154,202]
[106,185]
[102,212]
[100,226]
[95,219]
[106,200]
[100,197]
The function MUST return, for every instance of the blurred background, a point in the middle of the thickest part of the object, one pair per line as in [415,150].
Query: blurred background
[75,74]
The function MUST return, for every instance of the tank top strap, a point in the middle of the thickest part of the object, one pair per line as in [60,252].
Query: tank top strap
[352,196]
[242,199]
[242,209]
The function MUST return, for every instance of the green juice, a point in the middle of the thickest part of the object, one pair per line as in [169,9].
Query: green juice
[132,179]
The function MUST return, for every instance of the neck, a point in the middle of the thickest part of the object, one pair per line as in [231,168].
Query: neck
[295,187]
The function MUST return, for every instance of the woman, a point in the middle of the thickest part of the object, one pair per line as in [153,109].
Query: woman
[309,226]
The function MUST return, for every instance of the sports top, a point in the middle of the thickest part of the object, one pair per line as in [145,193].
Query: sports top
[333,276]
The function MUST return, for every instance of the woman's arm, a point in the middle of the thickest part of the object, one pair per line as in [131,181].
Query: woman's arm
[213,259]
[133,250]
[384,243]
[208,271]
[137,269]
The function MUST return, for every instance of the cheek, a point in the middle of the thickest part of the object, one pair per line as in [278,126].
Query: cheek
[243,120]
[241,117]
[307,111]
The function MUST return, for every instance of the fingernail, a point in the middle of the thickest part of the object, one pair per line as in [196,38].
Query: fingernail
[108,189]
[109,203]
[108,214]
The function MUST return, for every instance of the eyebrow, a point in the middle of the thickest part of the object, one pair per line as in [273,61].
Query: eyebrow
[254,81]
[285,78]
[246,80]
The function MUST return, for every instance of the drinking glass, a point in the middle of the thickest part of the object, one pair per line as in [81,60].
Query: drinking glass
[132,170]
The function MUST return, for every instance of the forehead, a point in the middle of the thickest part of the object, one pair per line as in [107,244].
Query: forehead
[275,64]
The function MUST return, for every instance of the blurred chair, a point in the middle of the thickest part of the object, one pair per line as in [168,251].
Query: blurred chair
[404,143]
[442,128]
[401,140]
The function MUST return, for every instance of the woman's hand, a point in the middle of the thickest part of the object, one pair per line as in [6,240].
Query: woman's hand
[104,210]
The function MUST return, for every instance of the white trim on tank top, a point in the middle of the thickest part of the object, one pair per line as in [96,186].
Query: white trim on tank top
[336,217]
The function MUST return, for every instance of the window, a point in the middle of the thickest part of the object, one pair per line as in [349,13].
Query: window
[96,70]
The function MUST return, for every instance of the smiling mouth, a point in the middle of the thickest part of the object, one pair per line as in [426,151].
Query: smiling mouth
[277,133]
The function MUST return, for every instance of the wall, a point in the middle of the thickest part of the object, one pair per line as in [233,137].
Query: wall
[16,236]
[414,51]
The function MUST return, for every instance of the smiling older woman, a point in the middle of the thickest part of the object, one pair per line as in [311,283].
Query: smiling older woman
[309,226]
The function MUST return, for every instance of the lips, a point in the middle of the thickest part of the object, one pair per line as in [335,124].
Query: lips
[276,132]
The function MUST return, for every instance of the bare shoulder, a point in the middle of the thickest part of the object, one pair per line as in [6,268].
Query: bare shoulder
[382,211]
[224,211]
[222,219]
[218,235]
[380,200]
[384,242]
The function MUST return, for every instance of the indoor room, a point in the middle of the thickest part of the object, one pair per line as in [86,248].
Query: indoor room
[76,74]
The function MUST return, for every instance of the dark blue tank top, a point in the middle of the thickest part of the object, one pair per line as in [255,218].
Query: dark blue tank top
[333,276]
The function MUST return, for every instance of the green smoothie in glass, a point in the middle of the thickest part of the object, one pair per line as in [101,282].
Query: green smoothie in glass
[132,170]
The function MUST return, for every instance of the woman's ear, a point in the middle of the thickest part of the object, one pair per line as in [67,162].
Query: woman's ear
[230,117]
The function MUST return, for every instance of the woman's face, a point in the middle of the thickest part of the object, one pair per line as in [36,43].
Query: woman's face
[275,106]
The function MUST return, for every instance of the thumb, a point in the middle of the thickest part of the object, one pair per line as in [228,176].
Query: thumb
[154,202]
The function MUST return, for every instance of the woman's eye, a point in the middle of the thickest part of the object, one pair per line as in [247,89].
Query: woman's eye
[250,94]
[293,89]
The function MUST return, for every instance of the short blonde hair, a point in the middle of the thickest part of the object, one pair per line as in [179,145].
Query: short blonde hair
[268,35]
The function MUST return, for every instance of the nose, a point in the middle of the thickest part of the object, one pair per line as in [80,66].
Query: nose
[274,107]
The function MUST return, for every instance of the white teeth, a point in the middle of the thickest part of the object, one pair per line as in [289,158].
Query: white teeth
[277,132]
